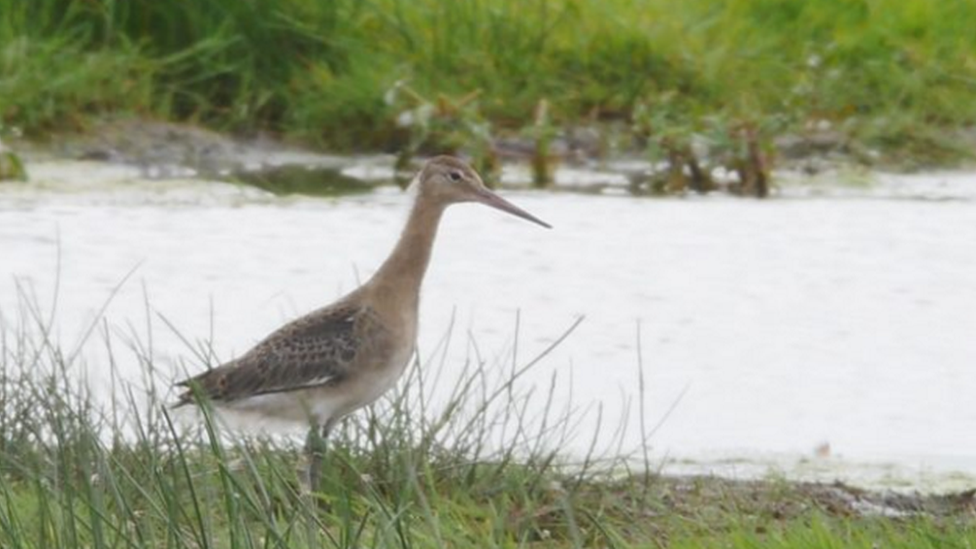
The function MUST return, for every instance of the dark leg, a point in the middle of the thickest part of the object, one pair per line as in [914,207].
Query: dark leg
[316,445]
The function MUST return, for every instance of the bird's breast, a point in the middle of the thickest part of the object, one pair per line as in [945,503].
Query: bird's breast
[384,374]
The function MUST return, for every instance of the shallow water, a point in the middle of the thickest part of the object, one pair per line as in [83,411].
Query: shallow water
[771,327]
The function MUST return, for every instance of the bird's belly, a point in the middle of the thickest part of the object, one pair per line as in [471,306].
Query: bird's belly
[293,406]
[320,404]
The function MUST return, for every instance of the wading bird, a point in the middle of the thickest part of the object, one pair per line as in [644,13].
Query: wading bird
[332,361]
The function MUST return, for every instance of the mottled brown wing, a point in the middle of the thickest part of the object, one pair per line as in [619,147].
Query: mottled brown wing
[314,350]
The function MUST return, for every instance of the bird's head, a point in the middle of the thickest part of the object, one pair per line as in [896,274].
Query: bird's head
[450,180]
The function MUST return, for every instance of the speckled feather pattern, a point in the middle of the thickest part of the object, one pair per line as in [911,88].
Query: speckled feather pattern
[316,350]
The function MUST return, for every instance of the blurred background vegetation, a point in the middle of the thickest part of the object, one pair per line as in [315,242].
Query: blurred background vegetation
[898,75]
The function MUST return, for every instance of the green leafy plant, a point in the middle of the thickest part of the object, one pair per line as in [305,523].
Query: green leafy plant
[11,166]
[443,125]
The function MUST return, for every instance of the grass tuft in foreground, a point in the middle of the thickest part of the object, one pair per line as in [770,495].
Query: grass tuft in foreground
[471,471]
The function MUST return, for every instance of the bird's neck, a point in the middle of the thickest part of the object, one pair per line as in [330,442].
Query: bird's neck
[398,280]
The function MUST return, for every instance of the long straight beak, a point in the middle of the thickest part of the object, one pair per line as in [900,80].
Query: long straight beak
[489,198]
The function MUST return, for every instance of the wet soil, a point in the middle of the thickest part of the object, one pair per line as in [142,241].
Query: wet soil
[782,499]
[165,150]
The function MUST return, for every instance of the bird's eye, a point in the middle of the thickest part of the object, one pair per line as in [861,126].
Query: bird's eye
[455,176]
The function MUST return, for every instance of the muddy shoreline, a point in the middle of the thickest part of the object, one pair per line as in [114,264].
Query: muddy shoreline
[165,150]
[784,499]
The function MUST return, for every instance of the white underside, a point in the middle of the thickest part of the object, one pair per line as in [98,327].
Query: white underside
[314,406]
[303,407]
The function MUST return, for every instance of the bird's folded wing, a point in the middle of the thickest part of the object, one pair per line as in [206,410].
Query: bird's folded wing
[312,351]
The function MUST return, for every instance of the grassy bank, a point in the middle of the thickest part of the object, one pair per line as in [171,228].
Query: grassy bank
[894,74]
[472,472]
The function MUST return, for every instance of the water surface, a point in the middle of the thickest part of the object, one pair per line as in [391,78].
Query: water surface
[771,328]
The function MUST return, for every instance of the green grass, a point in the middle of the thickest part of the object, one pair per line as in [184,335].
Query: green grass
[81,470]
[895,74]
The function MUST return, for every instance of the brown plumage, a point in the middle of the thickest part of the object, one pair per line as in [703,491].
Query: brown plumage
[313,351]
[330,362]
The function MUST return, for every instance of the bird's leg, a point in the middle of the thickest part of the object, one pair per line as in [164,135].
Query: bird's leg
[316,445]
